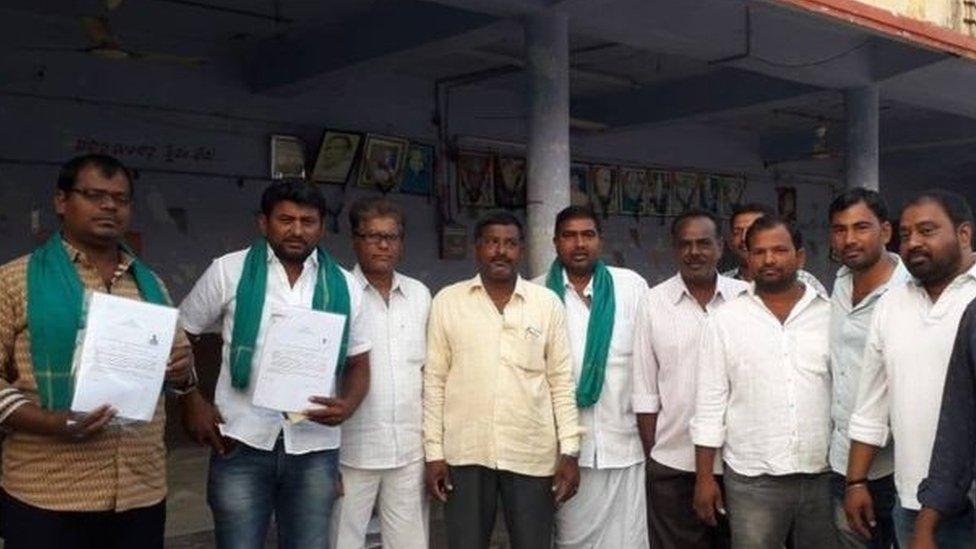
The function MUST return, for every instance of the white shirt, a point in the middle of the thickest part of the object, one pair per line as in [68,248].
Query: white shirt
[848,335]
[764,387]
[667,339]
[610,436]
[210,307]
[903,374]
[386,430]
[801,275]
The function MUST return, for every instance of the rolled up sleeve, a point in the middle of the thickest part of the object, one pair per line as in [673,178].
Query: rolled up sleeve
[951,467]
[712,390]
[869,422]
[646,399]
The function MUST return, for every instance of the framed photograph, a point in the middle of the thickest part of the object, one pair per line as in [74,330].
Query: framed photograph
[382,162]
[454,242]
[418,170]
[337,153]
[475,179]
[579,188]
[684,192]
[510,175]
[658,193]
[786,203]
[603,189]
[710,193]
[633,190]
[731,193]
[287,157]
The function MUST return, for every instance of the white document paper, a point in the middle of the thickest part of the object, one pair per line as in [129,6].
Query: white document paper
[123,355]
[298,360]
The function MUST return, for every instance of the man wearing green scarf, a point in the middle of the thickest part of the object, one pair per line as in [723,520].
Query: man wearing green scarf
[70,480]
[264,462]
[601,307]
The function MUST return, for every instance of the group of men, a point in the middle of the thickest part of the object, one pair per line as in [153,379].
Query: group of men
[748,409]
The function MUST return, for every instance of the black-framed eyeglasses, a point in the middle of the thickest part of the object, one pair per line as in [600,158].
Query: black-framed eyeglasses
[98,196]
[376,238]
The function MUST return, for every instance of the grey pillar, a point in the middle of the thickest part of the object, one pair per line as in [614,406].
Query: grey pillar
[547,59]
[861,160]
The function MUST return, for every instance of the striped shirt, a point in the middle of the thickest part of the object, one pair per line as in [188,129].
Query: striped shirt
[121,467]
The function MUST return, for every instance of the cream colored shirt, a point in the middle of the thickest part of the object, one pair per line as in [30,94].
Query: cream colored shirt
[498,387]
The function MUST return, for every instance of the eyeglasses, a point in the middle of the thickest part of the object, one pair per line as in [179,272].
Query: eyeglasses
[376,238]
[98,196]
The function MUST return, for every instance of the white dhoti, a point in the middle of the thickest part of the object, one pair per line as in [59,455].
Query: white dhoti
[608,512]
[401,501]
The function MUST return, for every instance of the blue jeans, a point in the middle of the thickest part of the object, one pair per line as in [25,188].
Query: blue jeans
[884,496]
[954,532]
[248,484]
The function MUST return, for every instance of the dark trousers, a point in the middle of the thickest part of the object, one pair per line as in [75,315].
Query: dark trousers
[527,503]
[27,527]
[671,518]
[885,498]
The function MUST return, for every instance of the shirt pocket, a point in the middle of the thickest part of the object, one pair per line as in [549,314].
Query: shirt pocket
[813,354]
[528,350]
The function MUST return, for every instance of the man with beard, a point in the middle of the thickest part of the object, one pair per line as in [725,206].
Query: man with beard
[382,457]
[72,480]
[764,399]
[905,362]
[265,462]
[499,409]
[859,232]
[601,306]
[743,216]
[666,341]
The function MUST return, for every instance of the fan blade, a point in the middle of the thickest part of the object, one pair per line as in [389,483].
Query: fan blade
[97,29]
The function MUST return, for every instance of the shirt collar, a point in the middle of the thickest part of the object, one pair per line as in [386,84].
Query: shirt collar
[808,288]
[724,286]
[520,285]
[970,274]
[587,291]
[357,273]
[77,256]
[312,261]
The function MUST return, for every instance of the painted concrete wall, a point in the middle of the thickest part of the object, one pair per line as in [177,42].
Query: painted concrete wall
[142,113]
[944,13]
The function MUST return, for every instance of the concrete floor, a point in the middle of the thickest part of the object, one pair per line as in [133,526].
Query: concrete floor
[190,526]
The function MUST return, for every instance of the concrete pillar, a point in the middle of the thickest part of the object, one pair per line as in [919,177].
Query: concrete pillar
[547,69]
[861,160]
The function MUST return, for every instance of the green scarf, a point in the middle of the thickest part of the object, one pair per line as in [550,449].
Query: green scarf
[55,298]
[599,331]
[331,294]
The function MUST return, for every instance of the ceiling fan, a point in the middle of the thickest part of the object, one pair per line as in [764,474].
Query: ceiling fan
[105,44]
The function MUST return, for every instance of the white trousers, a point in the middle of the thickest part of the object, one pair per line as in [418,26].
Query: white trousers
[400,497]
[608,512]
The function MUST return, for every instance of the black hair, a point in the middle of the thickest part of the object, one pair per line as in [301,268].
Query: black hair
[107,165]
[695,213]
[771,221]
[857,195]
[371,207]
[749,207]
[497,217]
[576,212]
[298,192]
[954,205]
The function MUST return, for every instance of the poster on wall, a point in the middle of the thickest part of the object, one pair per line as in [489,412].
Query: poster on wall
[603,189]
[382,162]
[510,175]
[633,191]
[786,203]
[710,193]
[287,157]
[579,189]
[732,192]
[685,187]
[475,177]
[658,193]
[336,156]
[418,171]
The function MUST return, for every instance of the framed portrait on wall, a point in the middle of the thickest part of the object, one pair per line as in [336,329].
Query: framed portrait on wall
[510,175]
[633,190]
[579,189]
[475,176]
[658,193]
[337,153]
[732,191]
[382,161]
[786,203]
[603,189]
[418,171]
[684,192]
[287,157]
[709,194]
